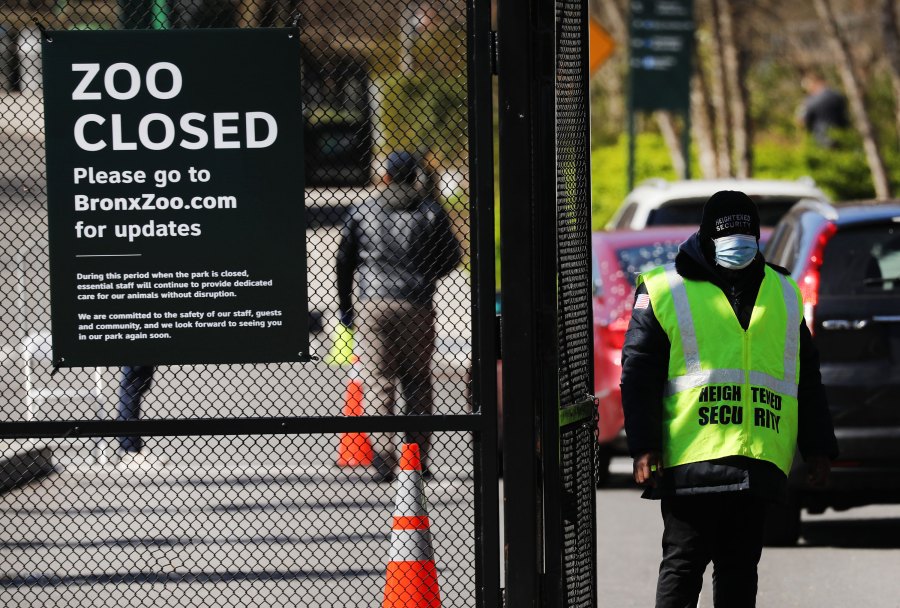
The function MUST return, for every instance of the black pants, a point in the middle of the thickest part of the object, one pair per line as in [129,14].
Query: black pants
[726,529]
[135,381]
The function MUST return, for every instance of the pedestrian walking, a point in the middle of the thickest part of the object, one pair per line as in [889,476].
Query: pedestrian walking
[823,109]
[134,383]
[397,244]
[720,385]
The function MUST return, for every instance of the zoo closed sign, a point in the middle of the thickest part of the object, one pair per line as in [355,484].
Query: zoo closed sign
[175,202]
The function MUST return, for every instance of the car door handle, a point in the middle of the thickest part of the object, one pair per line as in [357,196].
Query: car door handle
[847,324]
[886,319]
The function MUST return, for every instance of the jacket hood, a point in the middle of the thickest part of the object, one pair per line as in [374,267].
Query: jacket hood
[691,263]
[399,196]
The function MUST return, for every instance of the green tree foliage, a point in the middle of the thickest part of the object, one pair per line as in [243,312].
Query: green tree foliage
[423,110]
[782,150]
[609,172]
[841,172]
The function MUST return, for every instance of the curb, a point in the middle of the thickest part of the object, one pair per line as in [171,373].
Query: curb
[22,461]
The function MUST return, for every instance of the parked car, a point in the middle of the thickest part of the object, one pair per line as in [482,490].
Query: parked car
[846,260]
[658,202]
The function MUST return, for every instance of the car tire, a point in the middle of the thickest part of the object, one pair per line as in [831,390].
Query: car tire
[601,473]
[782,527]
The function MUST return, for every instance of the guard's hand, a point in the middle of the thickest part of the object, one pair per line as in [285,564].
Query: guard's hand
[648,468]
[818,469]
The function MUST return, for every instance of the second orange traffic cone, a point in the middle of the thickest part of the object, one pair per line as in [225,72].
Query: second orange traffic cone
[412,580]
[354,450]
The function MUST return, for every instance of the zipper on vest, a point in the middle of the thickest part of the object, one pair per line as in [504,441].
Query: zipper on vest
[736,308]
[745,356]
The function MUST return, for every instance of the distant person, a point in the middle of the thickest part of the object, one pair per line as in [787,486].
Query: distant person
[134,383]
[823,109]
[397,243]
[720,386]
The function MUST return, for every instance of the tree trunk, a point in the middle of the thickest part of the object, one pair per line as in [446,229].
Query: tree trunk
[839,48]
[610,15]
[736,91]
[670,136]
[702,121]
[890,33]
[612,18]
[408,38]
[722,116]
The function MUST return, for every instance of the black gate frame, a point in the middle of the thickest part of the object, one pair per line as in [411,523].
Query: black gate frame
[482,422]
[534,419]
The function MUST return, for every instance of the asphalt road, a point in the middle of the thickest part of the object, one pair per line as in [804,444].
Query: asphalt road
[287,522]
[844,559]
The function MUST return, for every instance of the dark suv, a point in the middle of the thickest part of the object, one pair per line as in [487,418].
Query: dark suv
[846,260]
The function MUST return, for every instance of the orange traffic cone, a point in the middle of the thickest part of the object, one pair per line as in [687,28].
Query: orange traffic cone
[411,574]
[354,450]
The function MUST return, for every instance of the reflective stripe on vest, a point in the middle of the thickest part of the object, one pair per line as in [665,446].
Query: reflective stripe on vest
[696,377]
[729,390]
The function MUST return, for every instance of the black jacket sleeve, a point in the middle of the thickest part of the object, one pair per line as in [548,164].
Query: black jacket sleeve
[442,253]
[815,430]
[645,365]
[346,262]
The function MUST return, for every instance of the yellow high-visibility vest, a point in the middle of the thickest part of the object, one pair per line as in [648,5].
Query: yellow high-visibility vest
[729,391]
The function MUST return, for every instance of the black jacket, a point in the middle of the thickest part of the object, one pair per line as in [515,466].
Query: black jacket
[399,243]
[823,111]
[645,362]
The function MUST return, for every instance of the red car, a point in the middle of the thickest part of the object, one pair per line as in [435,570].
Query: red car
[619,256]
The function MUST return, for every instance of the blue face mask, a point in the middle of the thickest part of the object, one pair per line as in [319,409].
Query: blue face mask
[736,251]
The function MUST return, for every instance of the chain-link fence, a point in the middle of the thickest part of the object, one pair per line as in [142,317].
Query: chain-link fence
[576,379]
[223,489]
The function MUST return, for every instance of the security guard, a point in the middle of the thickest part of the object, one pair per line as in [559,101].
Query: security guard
[720,384]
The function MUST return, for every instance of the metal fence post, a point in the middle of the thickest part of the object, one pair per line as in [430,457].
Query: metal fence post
[484,355]
[546,265]
[528,267]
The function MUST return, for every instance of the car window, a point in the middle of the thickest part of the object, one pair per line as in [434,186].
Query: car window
[863,260]
[774,249]
[642,258]
[688,211]
[773,208]
[596,281]
[783,247]
[677,212]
